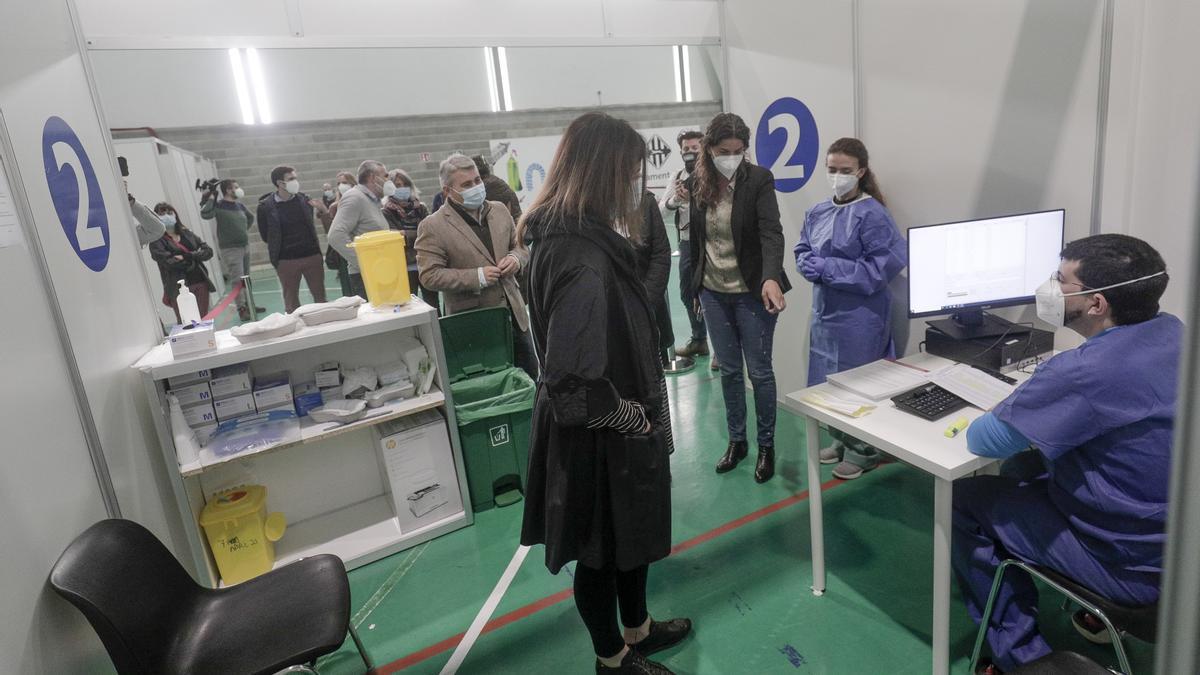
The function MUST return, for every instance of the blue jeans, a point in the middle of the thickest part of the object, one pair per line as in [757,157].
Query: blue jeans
[699,333]
[741,327]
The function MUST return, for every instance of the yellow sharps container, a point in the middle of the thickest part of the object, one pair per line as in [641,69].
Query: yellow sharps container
[241,533]
[383,266]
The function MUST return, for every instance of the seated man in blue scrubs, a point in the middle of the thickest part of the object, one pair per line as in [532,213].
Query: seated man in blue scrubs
[1089,500]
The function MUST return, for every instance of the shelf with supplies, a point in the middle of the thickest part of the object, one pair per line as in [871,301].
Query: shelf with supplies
[309,431]
[362,490]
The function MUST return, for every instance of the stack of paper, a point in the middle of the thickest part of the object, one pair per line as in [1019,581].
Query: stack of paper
[846,405]
[973,385]
[880,379]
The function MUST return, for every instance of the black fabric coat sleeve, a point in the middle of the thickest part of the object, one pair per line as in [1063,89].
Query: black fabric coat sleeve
[658,273]
[770,232]
[576,353]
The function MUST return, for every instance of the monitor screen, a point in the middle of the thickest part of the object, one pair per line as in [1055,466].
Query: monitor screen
[993,262]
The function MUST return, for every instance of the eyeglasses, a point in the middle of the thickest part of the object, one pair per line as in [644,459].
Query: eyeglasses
[1057,276]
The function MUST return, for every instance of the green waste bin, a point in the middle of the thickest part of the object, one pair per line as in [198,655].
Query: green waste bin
[493,402]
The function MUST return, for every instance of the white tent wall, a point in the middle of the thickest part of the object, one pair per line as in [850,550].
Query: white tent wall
[78,317]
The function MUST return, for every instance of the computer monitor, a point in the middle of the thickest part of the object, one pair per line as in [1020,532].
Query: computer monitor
[966,267]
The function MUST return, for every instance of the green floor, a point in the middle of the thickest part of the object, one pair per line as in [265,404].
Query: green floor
[746,585]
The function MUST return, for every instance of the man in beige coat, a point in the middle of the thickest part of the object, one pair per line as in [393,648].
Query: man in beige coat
[468,251]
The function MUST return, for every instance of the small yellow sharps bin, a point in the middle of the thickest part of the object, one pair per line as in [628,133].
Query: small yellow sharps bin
[384,268]
[241,533]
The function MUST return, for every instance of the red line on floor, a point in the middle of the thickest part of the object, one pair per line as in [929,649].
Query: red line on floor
[551,600]
[225,302]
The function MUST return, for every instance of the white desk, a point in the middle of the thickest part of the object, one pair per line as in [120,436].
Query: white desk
[911,440]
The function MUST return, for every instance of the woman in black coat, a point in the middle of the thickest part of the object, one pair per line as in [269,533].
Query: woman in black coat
[599,481]
[737,262]
[180,254]
[654,267]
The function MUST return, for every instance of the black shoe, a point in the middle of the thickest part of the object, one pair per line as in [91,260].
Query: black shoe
[663,636]
[735,453]
[634,664]
[765,468]
[693,349]
[260,310]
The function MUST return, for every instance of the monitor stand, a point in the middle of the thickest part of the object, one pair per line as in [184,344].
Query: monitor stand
[974,325]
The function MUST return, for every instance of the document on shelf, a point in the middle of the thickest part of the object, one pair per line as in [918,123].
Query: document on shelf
[880,379]
[973,385]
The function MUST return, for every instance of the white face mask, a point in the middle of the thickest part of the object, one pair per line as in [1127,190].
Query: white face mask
[389,188]
[239,193]
[842,183]
[727,164]
[292,186]
[344,187]
[1052,302]
[167,219]
[473,197]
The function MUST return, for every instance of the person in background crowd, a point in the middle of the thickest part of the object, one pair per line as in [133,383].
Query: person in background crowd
[1085,487]
[327,194]
[468,251]
[737,260]
[233,225]
[334,260]
[676,200]
[360,210]
[849,250]
[180,254]
[497,189]
[285,223]
[599,488]
[404,212]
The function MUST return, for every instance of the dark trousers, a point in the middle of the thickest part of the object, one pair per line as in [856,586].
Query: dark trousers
[524,356]
[357,287]
[433,298]
[699,334]
[598,593]
[312,269]
[1012,516]
[742,328]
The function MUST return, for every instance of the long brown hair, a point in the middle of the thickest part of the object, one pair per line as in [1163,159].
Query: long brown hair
[591,175]
[852,147]
[722,127]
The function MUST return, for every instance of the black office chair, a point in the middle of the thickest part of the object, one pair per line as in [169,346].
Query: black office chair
[154,619]
[1140,622]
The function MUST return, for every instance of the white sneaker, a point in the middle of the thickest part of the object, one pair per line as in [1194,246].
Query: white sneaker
[832,454]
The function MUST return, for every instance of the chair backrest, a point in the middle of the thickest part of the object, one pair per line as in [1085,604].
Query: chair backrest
[131,589]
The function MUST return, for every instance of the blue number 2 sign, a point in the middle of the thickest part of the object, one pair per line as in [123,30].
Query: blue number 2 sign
[787,143]
[76,193]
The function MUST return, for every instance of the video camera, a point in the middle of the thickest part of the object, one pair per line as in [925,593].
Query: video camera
[209,185]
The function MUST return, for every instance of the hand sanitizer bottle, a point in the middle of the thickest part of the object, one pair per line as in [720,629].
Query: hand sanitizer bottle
[189,311]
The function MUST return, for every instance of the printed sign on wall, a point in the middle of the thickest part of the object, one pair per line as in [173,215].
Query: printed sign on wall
[786,143]
[75,192]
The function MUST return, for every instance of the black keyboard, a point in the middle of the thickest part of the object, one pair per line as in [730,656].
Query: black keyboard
[929,401]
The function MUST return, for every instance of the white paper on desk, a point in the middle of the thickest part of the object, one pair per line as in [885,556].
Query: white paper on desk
[973,385]
[880,379]
[845,404]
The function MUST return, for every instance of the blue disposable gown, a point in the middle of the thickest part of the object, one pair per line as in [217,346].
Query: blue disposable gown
[852,307]
[1103,416]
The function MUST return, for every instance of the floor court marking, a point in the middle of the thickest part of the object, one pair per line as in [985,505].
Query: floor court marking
[485,612]
[551,600]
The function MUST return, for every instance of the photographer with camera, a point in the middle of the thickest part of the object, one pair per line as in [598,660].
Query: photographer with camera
[220,201]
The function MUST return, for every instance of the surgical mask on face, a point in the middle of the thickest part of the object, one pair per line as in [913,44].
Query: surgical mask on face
[344,187]
[292,186]
[329,194]
[1052,302]
[472,197]
[689,161]
[727,164]
[389,188]
[168,219]
[842,183]
[239,193]
[403,193]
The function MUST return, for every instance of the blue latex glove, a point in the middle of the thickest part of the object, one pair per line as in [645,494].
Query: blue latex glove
[812,268]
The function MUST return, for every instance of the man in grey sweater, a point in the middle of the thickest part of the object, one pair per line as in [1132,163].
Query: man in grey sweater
[360,211]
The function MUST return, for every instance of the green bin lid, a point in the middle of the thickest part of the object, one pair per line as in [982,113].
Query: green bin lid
[477,342]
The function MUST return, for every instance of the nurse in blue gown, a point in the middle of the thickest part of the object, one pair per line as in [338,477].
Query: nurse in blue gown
[1089,500]
[850,249]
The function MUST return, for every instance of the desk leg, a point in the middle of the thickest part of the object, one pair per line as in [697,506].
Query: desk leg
[942,491]
[812,434]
